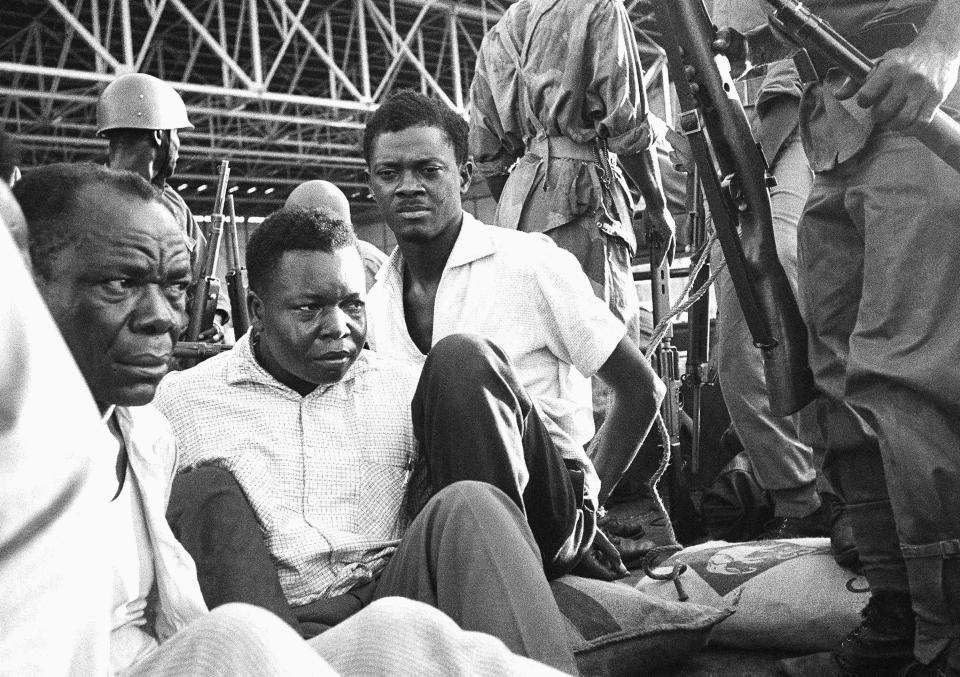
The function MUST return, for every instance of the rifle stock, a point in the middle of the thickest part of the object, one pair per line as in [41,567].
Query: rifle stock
[734,179]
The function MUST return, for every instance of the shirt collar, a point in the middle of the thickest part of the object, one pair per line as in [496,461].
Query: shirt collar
[242,367]
[473,243]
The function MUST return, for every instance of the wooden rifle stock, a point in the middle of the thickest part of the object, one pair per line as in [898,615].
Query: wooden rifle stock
[236,278]
[734,179]
[807,30]
[207,291]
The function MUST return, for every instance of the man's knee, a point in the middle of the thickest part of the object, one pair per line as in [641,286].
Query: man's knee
[468,354]
[472,501]
[236,636]
[203,488]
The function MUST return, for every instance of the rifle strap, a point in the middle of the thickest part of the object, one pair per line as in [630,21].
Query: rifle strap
[691,126]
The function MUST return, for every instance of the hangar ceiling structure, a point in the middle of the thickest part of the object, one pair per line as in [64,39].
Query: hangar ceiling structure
[281,88]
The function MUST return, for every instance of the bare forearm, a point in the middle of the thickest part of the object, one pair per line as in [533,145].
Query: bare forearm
[637,394]
[616,444]
[941,32]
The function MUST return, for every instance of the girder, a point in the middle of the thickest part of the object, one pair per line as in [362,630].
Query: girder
[280,87]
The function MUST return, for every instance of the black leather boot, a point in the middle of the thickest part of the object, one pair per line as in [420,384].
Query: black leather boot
[880,646]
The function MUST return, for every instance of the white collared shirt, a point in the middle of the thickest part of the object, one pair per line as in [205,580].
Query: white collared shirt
[326,473]
[532,299]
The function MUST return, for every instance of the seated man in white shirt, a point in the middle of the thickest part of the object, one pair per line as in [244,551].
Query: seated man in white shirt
[452,274]
[318,433]
[112,267]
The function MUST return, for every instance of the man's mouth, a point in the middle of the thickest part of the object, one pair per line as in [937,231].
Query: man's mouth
[335,356]
[413,211]
[149,365]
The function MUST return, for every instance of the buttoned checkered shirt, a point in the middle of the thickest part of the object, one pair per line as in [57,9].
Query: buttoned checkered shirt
[326,474]
[531,298]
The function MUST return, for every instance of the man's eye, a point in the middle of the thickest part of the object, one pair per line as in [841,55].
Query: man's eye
[387,174]
[354,306]
[431,171]
[179,287]
[118,286]
[308,308]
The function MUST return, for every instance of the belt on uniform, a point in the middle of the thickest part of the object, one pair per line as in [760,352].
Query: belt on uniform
[561,147]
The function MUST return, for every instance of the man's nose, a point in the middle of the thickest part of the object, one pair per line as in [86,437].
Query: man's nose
[155,313]
[409,182]
[335,325]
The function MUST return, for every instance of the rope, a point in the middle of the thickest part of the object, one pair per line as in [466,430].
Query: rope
[681,306]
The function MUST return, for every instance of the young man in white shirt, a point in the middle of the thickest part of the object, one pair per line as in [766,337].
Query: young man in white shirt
[452,274]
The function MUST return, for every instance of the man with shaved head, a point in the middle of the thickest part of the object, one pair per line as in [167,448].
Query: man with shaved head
[330,200]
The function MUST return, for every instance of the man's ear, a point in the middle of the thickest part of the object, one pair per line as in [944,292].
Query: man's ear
[158,137]
[466,176]
[255,308]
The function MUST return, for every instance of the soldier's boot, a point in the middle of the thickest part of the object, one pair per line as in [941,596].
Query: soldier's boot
[880,646]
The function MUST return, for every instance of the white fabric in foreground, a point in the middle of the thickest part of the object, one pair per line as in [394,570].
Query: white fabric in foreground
[55,581]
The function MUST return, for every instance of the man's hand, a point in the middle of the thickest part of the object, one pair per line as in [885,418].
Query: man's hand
[212,335]
[907,85]
[602,561]
[733,44]
[660,232]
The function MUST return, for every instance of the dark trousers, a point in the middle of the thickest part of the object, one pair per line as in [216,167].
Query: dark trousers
[474,421]
[501,507]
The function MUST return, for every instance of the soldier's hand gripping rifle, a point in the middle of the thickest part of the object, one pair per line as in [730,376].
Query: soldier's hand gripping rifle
[207,291]
[734,177]
[236,277]
[810,32]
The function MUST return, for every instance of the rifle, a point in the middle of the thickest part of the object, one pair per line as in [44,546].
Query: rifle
[207,291]
[808,31]
[198,351]
[696,374]
[665,360]
[734,177]
[236,277]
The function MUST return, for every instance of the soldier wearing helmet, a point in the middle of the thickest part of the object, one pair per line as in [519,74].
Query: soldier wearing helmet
[140,115]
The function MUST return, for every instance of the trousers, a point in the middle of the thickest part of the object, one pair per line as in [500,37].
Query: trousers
[784,464]
[877,252]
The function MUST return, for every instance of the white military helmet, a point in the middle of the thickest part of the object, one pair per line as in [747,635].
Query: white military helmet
[140,101]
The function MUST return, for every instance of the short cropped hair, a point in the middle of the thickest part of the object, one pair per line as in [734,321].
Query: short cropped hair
[48,196]
[292,229]
[406,108]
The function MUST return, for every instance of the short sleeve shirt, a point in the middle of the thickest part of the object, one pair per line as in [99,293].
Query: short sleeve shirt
[529,297]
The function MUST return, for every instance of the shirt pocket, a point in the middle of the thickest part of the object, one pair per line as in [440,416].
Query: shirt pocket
[384,478]
[331,494]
